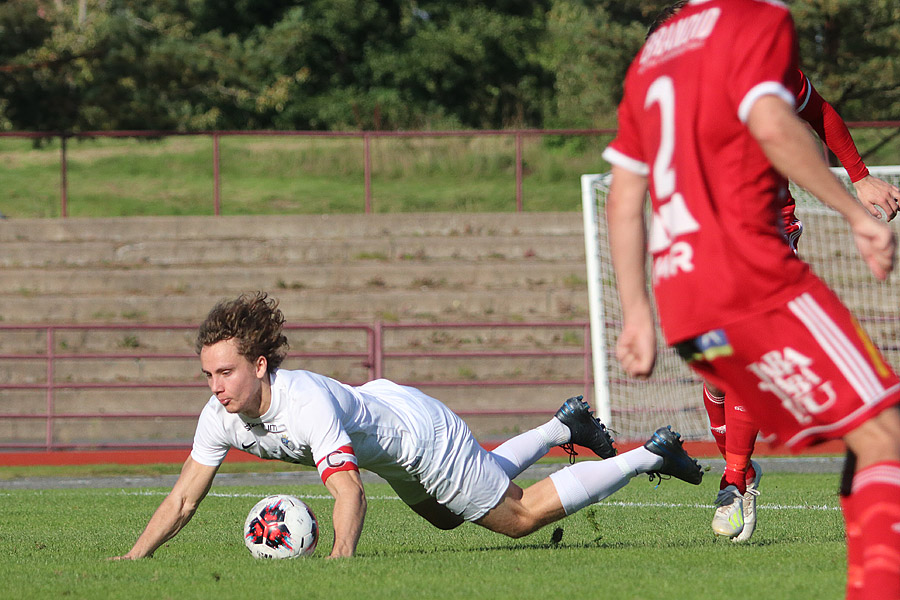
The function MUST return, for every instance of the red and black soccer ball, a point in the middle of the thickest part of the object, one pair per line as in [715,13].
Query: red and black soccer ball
[281,527]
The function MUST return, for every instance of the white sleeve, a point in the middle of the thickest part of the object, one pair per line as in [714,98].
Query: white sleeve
[322,425]
[210,442]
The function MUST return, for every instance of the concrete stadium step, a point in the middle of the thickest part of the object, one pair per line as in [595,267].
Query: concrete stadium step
[222,279]
[309,227]
[514,268]
[305,305]
[249,250]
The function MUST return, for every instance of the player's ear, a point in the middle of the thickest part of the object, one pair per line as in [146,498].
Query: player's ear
[262,366]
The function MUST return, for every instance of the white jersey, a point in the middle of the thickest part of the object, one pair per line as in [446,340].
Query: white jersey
[395,431]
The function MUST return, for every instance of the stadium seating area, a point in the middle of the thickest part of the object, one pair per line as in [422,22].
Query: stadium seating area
[409,268]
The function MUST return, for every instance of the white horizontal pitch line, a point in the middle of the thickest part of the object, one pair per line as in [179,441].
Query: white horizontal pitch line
[759,505]
[604,503]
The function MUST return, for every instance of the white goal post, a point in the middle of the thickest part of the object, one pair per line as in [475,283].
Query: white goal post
[673,394]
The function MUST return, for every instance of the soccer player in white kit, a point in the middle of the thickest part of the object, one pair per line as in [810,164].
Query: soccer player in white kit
[423,449]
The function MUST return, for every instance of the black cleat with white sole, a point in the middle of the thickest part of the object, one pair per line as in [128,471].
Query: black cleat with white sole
[586,430]
[676,462]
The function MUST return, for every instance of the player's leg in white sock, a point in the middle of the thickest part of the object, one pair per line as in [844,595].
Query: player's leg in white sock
[517,454]
[591,481]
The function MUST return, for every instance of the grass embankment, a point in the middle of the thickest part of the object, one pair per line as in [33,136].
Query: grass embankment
[290,175]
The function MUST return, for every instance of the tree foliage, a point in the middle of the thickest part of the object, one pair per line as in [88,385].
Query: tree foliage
[366,64]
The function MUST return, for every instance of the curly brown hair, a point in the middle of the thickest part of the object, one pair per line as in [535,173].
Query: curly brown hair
[254,321]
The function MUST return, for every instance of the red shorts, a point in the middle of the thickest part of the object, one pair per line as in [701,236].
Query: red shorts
[805,371]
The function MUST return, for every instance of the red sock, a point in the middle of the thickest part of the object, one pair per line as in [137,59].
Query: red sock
[854,551]
[738,445]
[715,408]
[735,472]
[875,505]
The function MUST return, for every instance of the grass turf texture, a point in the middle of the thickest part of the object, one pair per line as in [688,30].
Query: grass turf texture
[644,542]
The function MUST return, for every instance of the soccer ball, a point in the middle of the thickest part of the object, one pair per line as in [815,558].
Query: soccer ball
[281,527]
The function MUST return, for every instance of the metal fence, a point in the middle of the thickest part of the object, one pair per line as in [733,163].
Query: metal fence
[37,372]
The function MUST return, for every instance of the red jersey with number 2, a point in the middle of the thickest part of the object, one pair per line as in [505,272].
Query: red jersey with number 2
[716,198]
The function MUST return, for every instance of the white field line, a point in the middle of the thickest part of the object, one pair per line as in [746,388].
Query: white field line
[605,503]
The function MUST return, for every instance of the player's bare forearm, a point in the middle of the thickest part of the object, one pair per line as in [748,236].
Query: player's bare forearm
[349,511]
[175,511]
[169,518]
[636,348]
[627,238]
[793,152]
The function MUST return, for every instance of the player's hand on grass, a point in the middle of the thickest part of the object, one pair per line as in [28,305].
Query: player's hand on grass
[875,193]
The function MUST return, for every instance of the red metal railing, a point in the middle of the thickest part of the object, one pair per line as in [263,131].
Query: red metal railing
[373,358]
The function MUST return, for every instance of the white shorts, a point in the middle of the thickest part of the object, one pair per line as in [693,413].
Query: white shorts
[450,465]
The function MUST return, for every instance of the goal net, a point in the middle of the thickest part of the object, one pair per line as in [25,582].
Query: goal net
[673,395]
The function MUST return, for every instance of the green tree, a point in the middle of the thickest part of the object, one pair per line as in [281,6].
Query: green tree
[589,50]
[367,64]
[851,51]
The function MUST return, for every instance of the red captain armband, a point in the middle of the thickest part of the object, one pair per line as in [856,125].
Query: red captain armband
[342,459]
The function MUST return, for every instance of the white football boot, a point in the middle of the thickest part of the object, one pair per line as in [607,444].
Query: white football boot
[750,505]
[729,517]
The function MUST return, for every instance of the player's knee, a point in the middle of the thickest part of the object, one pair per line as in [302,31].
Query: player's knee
[524,525]
[877,439]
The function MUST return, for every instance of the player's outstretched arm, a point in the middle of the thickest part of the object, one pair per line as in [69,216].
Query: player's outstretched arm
[787,144]
[349,511]
[872,192]
[175,510]
[875,193]
[636,348]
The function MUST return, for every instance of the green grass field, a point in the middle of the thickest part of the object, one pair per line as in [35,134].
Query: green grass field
[643,543]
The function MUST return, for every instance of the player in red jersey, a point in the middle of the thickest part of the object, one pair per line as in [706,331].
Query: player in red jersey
[707,123]
[735,515]
[734,432]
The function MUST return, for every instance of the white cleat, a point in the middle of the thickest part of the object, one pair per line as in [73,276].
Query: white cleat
[750,505]
[729,517]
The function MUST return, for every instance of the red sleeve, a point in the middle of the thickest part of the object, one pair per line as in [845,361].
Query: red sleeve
[831,128]
[766,58]
[626,149]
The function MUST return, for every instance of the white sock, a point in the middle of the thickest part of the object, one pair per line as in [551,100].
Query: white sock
[641,460]
[555,432]
[517,454]
[588,482]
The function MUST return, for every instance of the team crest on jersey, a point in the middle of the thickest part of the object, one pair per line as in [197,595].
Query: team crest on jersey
[790,376]
[287,443]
